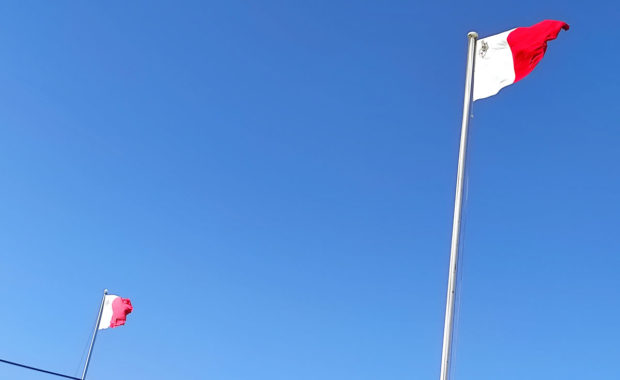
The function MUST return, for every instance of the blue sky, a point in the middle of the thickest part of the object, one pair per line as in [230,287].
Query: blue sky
[271,183]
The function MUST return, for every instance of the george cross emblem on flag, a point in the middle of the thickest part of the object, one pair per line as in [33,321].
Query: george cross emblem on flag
[483,49]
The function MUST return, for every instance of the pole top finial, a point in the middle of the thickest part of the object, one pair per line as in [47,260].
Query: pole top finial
[472,35]
[105,291]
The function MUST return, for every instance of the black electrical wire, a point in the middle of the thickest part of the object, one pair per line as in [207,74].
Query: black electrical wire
[39,369]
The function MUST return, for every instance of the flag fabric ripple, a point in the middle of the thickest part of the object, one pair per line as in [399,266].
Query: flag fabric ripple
[508,57]
[115,311]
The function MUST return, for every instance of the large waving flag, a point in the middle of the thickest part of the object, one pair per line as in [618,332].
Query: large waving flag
[115,311]
[508,57]
[492,64]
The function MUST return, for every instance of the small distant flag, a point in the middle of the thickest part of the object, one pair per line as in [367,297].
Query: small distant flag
[115,311]
[508,57]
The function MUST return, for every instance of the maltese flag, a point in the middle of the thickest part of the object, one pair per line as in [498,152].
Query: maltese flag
[115,310]
[508,57]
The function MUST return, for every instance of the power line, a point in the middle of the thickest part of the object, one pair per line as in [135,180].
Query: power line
[39,369]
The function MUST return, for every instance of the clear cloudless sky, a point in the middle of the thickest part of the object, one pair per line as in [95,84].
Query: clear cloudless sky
[272,184]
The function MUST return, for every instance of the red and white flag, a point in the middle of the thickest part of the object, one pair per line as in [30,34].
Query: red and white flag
[115,310]
[508,57]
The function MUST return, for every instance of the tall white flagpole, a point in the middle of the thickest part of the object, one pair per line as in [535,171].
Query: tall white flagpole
[456,223]
[92,342]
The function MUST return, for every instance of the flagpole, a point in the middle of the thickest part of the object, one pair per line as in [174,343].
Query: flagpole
[92,342]
[456,223]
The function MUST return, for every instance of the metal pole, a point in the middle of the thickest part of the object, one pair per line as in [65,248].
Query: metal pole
[92,342]
[456,223]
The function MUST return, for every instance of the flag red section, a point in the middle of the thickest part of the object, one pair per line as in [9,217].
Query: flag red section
[121,307]
[529,44]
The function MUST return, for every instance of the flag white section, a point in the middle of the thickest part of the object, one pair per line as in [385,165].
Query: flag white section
[494,66]
[107,313]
